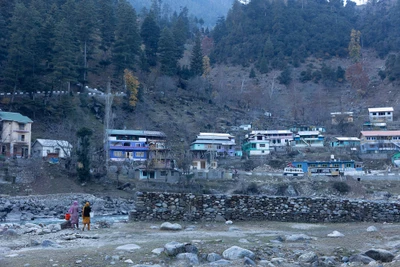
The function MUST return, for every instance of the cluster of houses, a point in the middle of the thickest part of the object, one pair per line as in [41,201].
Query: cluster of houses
[149,149]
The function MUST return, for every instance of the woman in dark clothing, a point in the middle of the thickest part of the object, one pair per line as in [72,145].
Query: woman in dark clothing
[86,216]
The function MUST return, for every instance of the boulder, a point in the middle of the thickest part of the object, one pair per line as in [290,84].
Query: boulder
[171,226]
[235,252]
[297,237]
[128,247]
[174,248]
[213,257]
[221,262]
[380,255]
[336,234]
[189,257]
[360,258]
[308,257]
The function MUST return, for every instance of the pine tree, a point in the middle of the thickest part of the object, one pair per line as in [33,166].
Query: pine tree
[167,50]
[252,73]
[127,43]
[150,33]
[83,151]
[22,64]
[196,62]
[180,30]
[354,45]
[66,53]
[106,19]
[86,20]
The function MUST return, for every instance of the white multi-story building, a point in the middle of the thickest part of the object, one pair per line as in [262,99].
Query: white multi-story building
[380,114]
[15,132]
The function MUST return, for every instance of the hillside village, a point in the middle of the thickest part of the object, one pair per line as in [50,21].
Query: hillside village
[146,155]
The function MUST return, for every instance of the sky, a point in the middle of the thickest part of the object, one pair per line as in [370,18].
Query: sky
[358,2]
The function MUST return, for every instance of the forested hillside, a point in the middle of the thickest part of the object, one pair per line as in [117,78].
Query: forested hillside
[285,59]
[207,10]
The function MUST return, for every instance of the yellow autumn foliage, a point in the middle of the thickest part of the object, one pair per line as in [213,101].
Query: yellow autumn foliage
[132,85]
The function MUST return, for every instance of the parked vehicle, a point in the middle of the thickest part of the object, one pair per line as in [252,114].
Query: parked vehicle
[292,171]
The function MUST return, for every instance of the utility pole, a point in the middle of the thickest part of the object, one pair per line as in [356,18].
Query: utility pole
[107,122]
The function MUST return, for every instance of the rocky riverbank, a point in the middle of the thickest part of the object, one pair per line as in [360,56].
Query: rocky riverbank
[25,241]
[29,208]
[146,244]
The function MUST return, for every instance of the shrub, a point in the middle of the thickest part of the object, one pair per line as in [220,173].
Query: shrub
[341,187]
[252,188]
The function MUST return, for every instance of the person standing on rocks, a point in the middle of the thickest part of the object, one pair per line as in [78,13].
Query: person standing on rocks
[74,211]
[86,216]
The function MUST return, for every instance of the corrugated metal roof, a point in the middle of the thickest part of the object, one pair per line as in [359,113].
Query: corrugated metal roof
[54,143]
[215,134]
[272,132]
[214,142]
[347,138]
[209,137]
[135,132]
[380,133]
[12,116]
[380,109]
[307,132]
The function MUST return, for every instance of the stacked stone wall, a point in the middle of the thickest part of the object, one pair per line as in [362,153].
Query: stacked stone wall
[189,207]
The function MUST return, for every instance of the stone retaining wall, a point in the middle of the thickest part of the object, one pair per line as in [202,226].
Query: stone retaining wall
[189,207]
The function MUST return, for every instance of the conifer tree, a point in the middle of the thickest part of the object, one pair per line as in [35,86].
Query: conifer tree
[83,151]
[150,33]
[66,53]
[127,42]
[354,45]
[196,62]
[22,61]
[167,50]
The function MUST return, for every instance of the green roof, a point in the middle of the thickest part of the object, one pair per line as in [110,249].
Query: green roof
[12,116]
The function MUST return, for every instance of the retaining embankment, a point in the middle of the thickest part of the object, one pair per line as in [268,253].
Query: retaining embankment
[188,207]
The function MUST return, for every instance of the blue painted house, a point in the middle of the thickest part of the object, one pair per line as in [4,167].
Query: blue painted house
[135,145]
[309,139]
[208,147]
[328,168]
[345,142]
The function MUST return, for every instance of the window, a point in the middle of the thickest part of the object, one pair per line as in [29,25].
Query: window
[253,145]
[262,145]
[22,138]
[118,154]
[139,154]
[259,137]
[163,173]
[21,126]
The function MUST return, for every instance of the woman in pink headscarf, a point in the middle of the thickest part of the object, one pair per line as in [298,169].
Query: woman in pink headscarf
[74,211]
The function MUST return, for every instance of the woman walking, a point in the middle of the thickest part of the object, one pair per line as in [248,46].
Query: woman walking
[74,211]
[86,216]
